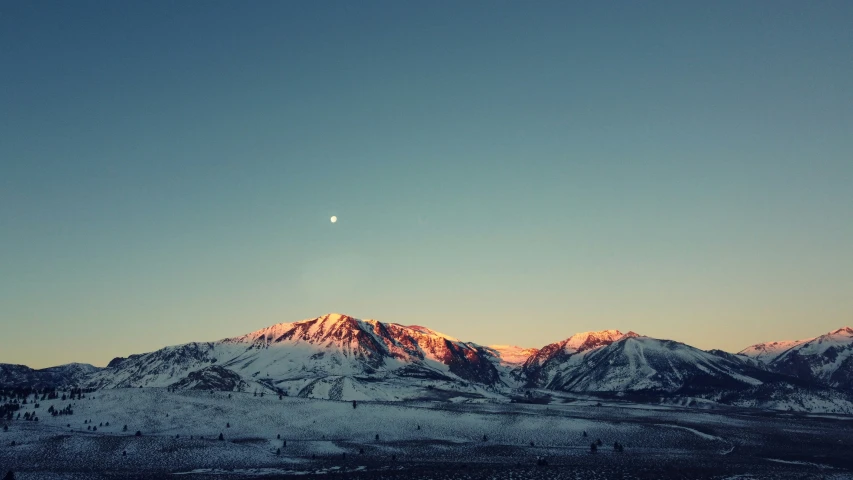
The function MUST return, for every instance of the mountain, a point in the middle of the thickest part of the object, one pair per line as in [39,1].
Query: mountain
[637,363]
[18,376]
[512,355]
[767,352]
[827,359]
[343,358]
[557,359]
[333,353]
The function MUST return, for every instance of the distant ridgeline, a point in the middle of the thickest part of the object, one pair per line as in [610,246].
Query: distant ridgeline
[338,357]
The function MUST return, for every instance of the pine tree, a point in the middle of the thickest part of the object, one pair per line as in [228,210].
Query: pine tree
[10,475]
[221,437]
[593,447]
[278,451]
[227,425]
[124,429]
[138,433]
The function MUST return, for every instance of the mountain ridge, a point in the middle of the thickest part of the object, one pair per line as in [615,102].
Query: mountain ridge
[337,356]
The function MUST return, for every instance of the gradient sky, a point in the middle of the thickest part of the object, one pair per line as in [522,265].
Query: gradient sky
[504,172]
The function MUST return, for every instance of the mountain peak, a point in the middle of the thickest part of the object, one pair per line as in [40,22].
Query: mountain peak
[336,317]
[843,331]
[586,340]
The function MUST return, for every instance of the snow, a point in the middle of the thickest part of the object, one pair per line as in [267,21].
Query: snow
[511,354]
[767,352]
[694,431]
[586,340]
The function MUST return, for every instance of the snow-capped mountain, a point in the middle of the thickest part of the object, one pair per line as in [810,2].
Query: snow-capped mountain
[511,354]
[637,363]
[329,352]
[13,376]
[827,359]
[767,352]
[556,359]
[340,357]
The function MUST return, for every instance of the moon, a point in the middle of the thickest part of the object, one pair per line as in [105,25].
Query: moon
[334,219]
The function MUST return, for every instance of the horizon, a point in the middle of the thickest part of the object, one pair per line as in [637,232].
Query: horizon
[490,345]
[173,172]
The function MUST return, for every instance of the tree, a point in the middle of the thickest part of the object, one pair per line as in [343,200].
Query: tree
[354,404]
[138,433]
[10,475]
[377,437]
[584,433]
[593,447]
[278,437]
[278,451]
[485,438]
[284,443]
[124,429]
[124,453]
[221,437]
[5,428]
[361,451]
[532,444]
[227,425]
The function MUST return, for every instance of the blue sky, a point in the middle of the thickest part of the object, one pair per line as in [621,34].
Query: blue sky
[505,172]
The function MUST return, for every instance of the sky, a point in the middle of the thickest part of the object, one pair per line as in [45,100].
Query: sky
[503,172]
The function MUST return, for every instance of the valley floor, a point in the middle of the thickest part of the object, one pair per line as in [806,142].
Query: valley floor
[268,437]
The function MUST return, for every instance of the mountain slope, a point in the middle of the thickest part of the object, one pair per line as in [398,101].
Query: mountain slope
[827,359]
[343,358]
[557,359]
[294,355]
[61,376]
[635,363]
